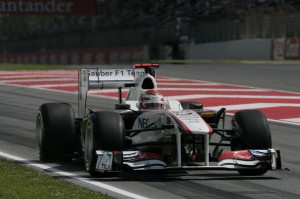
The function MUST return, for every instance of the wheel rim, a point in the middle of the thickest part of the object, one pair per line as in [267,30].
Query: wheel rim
[39,130]
[88,147]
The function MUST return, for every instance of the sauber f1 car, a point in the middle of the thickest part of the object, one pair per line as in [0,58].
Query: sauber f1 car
[177,135]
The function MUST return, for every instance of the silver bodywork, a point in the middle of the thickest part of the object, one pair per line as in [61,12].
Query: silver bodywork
[189,120]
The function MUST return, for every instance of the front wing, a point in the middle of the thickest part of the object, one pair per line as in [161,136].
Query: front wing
[233,160]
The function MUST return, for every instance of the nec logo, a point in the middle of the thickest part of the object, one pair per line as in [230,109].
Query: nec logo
[143,122]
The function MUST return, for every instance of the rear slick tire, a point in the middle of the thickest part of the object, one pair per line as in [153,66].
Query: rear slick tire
[55,132]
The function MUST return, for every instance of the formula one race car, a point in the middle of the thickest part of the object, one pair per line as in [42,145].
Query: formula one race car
[149,132]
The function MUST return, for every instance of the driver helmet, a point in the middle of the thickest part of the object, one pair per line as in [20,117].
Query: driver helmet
[151,99]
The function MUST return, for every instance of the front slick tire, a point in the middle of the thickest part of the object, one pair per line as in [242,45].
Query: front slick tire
[253,132]
[104,131]
[55,132]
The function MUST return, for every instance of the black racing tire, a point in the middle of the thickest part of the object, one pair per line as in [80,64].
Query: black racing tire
[252,129]
[252,132]
[104,131]
[55,132]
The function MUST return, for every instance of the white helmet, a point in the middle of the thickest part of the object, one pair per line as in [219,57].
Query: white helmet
[151,99]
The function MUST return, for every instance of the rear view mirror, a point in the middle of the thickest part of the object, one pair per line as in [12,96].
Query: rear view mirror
[122,106]
[195,106]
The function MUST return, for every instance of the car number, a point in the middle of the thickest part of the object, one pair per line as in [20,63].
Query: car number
[104,161]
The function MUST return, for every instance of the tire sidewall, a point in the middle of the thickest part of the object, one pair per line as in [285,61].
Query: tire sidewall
[55,131]
[110,137]
[100,134]
[252,130]
[90,156]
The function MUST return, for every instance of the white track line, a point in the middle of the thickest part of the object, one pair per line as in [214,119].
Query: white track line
[106,91]
[159,89]
[178,80]
[296,120]
[66,79]
[213,90]
[188,84]
[55,85]
[73,176]
[37,80]
[183,97]
[280,121]
[35,76]
[179,89]
[253,106]
[24,74]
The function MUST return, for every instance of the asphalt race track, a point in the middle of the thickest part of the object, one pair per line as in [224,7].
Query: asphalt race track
[19,107]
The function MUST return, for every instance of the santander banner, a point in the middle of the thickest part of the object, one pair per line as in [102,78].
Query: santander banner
[285,48]
[64,7]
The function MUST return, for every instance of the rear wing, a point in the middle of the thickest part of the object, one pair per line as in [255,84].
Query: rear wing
[97,78]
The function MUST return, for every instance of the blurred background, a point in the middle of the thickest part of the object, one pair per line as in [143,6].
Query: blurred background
[128,31]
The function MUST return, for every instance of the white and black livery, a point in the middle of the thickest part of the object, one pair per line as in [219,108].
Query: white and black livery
[174,135]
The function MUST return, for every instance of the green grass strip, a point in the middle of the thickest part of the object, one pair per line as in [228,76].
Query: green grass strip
[21,182]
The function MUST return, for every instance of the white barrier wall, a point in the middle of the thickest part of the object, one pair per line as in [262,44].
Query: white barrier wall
[255,49]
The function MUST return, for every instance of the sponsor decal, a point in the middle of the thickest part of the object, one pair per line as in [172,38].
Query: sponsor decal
[115,72]
[143,122]
[87,7]
[149,155]
[237,155]
[104,161]
[257,153]
[184,126]
[277,48]
[242,155]
[100,73]
[207,114]
[292,48]
[191,122]
[130,153]
[190,118]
